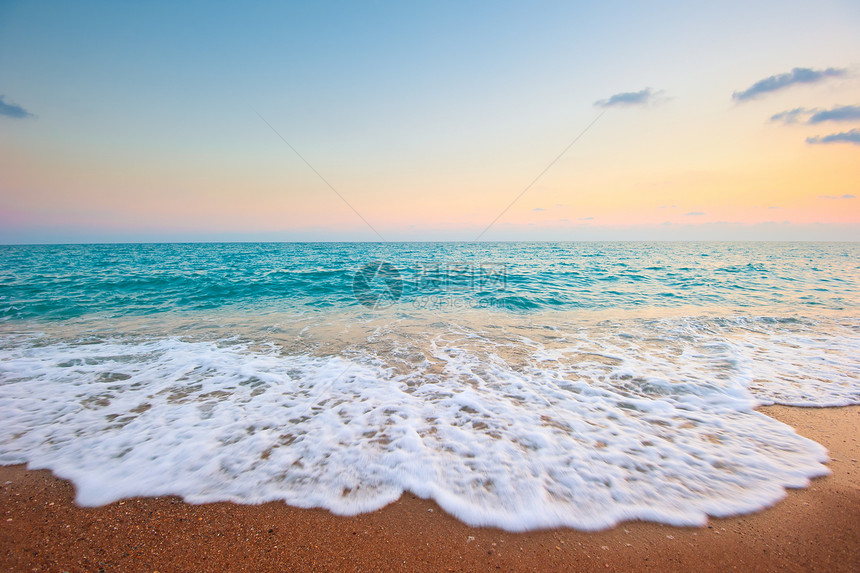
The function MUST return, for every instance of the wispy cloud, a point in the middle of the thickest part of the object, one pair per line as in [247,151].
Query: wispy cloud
[538,209]
[817,115]
[781,81]
[694,214]
[852,136]
[13,110]
[792,115]
[846,196]
[586,218]
[628,98]
[839,113]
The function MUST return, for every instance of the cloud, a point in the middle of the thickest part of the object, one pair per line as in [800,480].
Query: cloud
[846,196]
[538,209]
[694,214]
[840,113]
[628,98]
[12,110]
[852,136]
[791,115]
[781,81]
[586,218]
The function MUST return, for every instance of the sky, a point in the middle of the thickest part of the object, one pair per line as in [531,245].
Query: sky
[443,120]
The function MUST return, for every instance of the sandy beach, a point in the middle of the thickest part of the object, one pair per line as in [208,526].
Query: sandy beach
[814,529]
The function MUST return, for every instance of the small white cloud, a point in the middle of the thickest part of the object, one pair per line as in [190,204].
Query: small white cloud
[791,115]
[852,136]
[782,81]
[628,98]
[12,110]
[817,115]
[839,113]
[845,196]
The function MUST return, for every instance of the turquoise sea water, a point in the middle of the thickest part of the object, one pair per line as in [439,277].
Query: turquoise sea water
[521,385]
[68,281]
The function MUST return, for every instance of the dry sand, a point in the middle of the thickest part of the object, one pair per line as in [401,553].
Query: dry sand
[814,529]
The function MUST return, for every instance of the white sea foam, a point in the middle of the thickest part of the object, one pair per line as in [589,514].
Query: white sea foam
[583,427]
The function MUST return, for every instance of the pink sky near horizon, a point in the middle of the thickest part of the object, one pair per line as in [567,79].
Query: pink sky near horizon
[165,153]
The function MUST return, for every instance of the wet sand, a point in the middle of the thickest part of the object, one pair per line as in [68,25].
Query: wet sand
[813,529]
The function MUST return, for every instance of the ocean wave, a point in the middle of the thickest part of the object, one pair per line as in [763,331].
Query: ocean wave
[72,281]
[578,423]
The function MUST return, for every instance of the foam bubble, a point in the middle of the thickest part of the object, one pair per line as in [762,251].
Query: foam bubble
[582,426]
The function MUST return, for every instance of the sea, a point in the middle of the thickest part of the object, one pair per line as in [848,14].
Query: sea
[519,385]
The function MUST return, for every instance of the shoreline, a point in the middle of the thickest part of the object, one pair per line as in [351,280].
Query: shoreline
[815,528]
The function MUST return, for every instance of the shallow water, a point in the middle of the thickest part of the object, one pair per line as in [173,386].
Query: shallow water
[520,385]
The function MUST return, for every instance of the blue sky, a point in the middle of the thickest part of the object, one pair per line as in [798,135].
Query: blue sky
[140,120]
